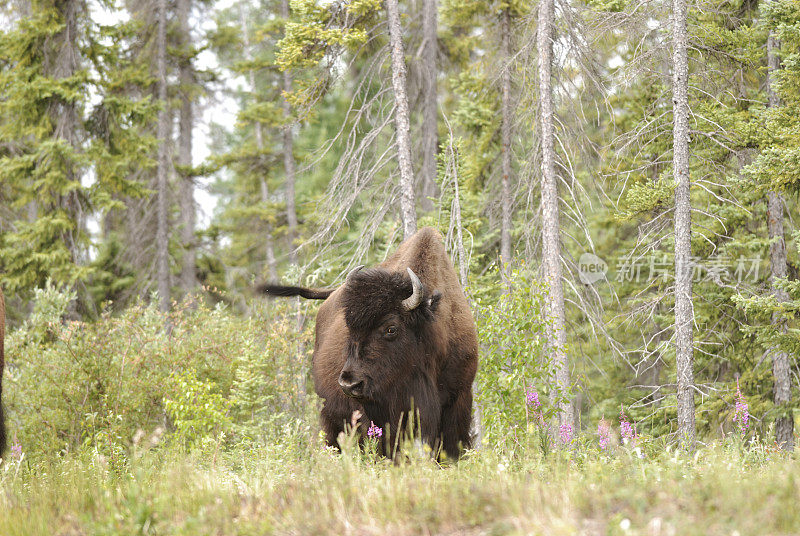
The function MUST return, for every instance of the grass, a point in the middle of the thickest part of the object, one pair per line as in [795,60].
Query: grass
[286,488]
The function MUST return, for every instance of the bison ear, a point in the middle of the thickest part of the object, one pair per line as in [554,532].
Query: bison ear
[433,301]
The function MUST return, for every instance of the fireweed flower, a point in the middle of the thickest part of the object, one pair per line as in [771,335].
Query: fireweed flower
[604,432]
[741,415]
[532,399]
[16,451]
[626,429]
[565,432]
[374,431]
[532,396]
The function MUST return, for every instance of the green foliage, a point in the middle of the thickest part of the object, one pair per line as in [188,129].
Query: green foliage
[511,330]
[309,40]
[100,385]
[52,138]
[196,410]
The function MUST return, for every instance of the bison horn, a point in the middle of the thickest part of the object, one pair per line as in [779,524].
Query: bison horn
[413,301]
[353,272]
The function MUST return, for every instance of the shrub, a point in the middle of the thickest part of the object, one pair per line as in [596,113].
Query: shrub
[97,385]
[513,358]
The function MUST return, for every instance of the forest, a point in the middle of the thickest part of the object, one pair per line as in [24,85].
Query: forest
[616,184]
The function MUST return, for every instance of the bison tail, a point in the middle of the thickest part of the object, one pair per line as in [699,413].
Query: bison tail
[308,293]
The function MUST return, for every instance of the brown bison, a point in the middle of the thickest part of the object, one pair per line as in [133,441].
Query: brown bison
[2,364]
[396,337]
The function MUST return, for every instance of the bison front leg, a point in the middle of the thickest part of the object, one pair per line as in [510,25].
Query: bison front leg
[337,413]
[426,413]
[416,414]
[456,420]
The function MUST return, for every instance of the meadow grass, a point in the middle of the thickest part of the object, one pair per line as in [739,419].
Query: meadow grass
[118,428]
[285,488]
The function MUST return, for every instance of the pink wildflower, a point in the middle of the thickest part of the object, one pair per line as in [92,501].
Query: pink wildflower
[532,396]
[604,432]
[565,431]
[626,429]
[374,431]
[741,415]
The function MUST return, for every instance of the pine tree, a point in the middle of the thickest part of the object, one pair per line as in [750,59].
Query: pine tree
[784,425]
[402,123]
[684,316]
[551,228]
[63,160]
[430,102]
[163,135]
[186,76]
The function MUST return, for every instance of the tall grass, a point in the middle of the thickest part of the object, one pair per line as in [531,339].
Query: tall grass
[285,488]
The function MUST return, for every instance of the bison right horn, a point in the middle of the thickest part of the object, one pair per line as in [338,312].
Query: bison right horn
[413,301]
[353,272]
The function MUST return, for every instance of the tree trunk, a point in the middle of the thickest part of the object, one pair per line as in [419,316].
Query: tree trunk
[551,241]
[430,105]
[463,272]
[407,209]
[782,381]
[2,366]
[272,269]
[62,61]
[162,240]
[288,153]
[505,127]
[684,313]
[187,205]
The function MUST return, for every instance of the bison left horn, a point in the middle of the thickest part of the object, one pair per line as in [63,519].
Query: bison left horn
[413,301]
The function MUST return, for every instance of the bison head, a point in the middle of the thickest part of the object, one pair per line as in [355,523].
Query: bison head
[387,315]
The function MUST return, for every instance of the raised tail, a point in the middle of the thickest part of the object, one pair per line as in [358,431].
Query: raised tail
[308,293]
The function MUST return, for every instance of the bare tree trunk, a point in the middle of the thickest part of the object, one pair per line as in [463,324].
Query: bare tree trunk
[288,154]
[505,127]
[272,269]
[684,313]
[463,272]
[188,264]
[407,209]
[430,108]
[289,167]
[782,380]
[162,240]
[551,241]
[463,267]
[2,365]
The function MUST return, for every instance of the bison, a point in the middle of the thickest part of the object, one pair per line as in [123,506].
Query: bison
[396,339]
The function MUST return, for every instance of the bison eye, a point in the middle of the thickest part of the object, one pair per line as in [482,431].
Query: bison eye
[391,331]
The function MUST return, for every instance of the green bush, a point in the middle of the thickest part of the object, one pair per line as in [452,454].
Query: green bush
[105,385]
[513,358]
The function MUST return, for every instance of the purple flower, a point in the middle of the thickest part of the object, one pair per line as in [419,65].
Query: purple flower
[741,415]
[604,432]
[374,431]
[532,396]
[565,432]
[626,429]
[16,451]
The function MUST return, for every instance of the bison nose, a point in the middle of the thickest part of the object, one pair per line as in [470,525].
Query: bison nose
[350,386]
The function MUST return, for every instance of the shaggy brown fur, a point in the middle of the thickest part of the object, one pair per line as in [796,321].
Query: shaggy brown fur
[2,365]
[425,358]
